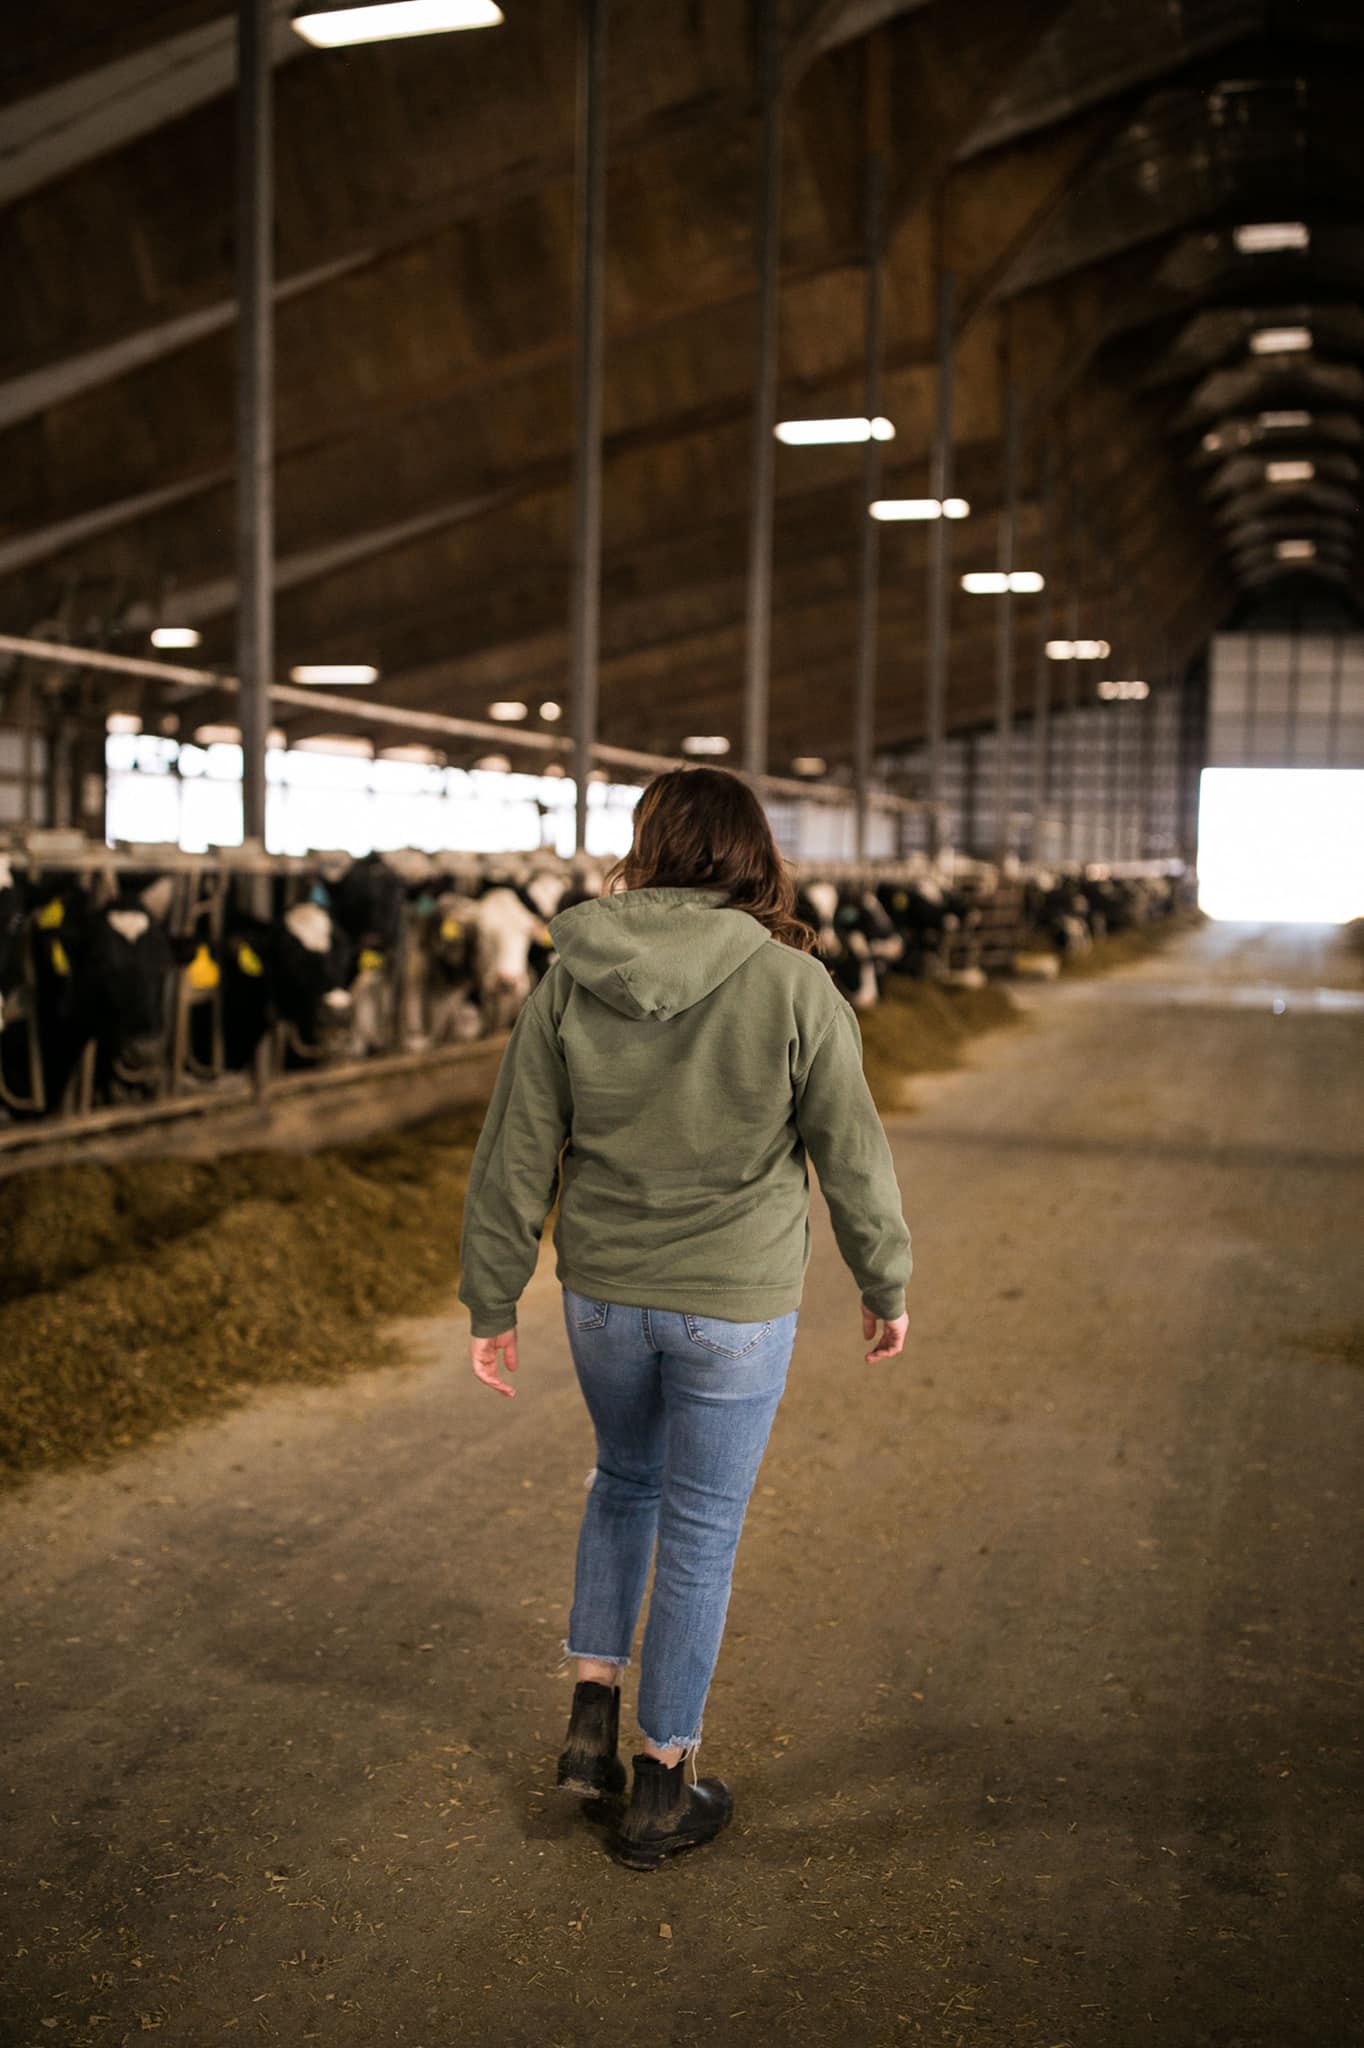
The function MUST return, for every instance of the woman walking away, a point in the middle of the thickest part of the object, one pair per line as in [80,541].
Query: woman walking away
[668,1079]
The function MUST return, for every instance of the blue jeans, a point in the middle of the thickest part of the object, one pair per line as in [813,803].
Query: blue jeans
[683,1407]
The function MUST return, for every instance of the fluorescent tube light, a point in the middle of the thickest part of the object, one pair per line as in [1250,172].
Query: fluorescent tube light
[342,743]
[332,28]
[550,711]
[1290,472]
[1261,238]
[705,743]
[1295,550]
[827,433]
[175,636]
[508,712]
[993,582]
[1268,421]
[123,721]
[336,674]
[919,508]
[809,764]
[1078,650]
[1280,341]
[218,736]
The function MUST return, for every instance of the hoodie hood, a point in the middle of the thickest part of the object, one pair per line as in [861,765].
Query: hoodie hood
[654,952]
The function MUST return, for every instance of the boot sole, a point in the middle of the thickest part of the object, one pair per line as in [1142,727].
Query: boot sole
[637,1856]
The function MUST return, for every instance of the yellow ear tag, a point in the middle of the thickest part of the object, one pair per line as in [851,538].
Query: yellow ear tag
[542,937]
[60,963]
[451,928]
[203,969]
[249,960]
[52,914]
[370,961]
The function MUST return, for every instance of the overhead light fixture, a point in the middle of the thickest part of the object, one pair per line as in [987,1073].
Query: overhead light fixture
[1211,443]
[345,743]
[919,508]
[332,28]
[827,433]
[705,743]
[493,764]
[123,721]
[421,757]
[1290,472]
[508,712]
[1269,422]
[1295,550]
[1126,688]
[809,764]
[1262,237]
[218,736]
[555,769]
[334,674]
[175,636]
[1077,650]
[550,711]
[1280,341]
[994,582]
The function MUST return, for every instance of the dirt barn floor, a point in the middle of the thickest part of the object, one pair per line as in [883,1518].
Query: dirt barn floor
[1043,1692]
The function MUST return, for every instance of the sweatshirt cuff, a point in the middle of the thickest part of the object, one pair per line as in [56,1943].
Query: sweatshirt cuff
[886,1303]
[491,1322]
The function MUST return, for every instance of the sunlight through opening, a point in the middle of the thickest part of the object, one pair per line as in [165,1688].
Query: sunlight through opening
[1281,845]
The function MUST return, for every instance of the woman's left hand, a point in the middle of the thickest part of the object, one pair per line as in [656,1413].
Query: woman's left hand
[483,1357]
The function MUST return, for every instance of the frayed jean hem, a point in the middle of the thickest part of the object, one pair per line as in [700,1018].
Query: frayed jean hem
[590,1657]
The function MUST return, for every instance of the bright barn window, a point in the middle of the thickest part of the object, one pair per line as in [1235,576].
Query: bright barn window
[1281,845]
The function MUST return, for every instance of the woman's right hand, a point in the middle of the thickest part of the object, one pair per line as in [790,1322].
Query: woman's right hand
[893,1333]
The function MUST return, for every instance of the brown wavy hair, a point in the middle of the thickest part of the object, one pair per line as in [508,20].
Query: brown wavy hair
[702,828]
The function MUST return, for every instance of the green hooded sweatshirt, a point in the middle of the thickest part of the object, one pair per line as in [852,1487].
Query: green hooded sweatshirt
[668,1078]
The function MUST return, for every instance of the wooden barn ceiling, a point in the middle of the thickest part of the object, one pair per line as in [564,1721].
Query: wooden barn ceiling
[1079,164]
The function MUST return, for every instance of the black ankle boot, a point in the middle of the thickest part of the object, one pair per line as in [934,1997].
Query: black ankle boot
[667,1815]
[589,1765]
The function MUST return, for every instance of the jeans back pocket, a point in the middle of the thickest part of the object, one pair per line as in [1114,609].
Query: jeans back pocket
[583,1313]
[726,1340]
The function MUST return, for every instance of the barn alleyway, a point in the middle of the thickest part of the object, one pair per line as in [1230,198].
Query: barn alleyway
[1042,1693]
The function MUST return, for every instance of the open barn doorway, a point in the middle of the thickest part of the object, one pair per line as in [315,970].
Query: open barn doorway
[1281,845]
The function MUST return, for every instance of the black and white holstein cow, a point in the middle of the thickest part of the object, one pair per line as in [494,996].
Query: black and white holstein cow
[293,971]
[78,974]
[854,938]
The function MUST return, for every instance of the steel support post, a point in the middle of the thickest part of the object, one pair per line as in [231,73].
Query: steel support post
[940,570]
[864,713]
[255,401]
[757,673]
[590,245]
[1073,676]
[1041,711]
[1004,627]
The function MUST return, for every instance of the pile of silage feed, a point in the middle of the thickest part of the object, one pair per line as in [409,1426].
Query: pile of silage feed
[134,1297]
[920,1027]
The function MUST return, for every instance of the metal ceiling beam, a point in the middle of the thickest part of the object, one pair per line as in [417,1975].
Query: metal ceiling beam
[51,133]
[34,391]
